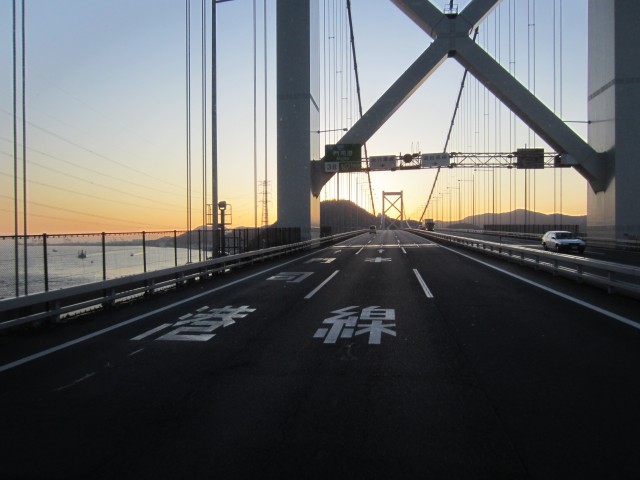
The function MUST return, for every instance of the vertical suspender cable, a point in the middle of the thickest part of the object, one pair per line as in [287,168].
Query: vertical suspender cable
[355,69]
[561,64]
[204,118]
[512,36]
[534,92]
[446,143]
[266,84]
[555,181]
[188,123]
[511,206]
[24,153]
[214,131]
[255,121]
[335,84]
[15,156]
[324,79]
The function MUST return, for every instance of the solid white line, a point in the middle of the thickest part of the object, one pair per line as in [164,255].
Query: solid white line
[360,250]
[70,343]
[317,289]
[426,290]
[590,306]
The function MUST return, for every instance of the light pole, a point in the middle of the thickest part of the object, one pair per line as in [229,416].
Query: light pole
[454,188]
[222,206]
[449,217]
[473,198]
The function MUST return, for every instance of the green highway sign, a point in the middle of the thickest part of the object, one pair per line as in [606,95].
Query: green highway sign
[343,153]
[350,166]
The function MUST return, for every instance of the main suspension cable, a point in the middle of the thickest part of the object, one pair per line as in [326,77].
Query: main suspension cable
[355,69]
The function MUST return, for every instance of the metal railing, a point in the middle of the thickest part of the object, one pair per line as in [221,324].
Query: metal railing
[40,263]
[51,305]
[614,277]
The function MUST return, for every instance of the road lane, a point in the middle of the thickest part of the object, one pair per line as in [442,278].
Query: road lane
[368,376]
[546,365]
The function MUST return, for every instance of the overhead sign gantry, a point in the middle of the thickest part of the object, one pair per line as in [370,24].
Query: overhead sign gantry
[345,158]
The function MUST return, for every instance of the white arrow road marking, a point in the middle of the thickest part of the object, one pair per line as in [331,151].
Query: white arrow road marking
[377,260]
[320,260]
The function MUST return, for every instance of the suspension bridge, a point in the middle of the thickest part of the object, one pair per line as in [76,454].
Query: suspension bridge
[318,345]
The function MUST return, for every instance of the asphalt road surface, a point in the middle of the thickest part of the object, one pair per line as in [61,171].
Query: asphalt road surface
[385,356]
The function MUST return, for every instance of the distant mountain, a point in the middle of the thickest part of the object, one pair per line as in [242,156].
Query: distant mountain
[520,217]
[344,215]
[337,216]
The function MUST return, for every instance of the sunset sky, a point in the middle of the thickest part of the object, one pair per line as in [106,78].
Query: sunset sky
[106,109]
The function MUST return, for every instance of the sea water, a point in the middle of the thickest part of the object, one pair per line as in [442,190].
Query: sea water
[66,268]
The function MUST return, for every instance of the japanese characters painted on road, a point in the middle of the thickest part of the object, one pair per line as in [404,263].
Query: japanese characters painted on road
[320,260]
[291,277]
[351,321]
[198,327]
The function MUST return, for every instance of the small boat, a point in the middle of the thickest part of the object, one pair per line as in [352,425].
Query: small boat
[82,254]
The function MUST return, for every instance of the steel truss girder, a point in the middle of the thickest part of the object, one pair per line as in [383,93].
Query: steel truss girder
[451,39]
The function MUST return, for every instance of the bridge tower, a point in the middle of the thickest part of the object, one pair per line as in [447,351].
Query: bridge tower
[609,161]
[396,213]
[298,113]
[614,118]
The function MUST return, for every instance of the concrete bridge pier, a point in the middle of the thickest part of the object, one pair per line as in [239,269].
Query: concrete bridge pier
[614,115]
[298,108]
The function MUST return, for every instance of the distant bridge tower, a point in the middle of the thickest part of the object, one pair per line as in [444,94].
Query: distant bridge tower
[396,213]
[298,113]
[614,115]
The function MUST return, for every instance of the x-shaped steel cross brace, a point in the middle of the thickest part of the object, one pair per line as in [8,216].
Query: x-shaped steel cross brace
[450,33]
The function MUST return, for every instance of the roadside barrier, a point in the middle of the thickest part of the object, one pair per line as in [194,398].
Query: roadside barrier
[52,305]
[614,277]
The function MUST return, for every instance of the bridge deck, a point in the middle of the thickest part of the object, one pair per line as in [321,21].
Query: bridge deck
[371,357]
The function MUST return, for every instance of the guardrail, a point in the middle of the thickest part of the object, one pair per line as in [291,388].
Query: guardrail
[614,277]
[52,305]
[630,245]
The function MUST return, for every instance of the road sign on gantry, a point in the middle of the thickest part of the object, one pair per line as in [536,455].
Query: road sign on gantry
[432,160]
[530,158]
[383,162]
[345,157]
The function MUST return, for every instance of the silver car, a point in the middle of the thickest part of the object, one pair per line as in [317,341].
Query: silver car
[562,241]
